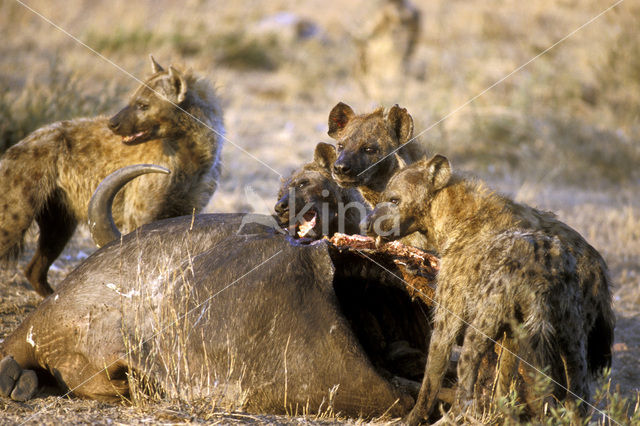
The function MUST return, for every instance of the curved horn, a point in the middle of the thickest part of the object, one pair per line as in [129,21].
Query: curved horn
[103,228]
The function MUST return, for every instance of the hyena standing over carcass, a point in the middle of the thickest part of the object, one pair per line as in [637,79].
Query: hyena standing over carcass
[505,267]
[173,120]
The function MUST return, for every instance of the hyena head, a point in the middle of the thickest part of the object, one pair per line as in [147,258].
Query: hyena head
[405,204]
[311,204]
[365,142]
[151,111]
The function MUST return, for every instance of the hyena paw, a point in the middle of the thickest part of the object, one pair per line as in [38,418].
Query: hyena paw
[414,418]
[16,383]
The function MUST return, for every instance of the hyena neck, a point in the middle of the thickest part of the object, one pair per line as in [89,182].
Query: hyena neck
[467,208]
[371,196]
[356,211]
[372,190]
[351,227]
[201,141]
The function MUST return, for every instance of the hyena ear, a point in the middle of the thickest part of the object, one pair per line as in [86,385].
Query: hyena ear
[178,84]
[155,67]
[401,163]
[338,118]
[438,172]
[325,155]
[422,163]
[401,123]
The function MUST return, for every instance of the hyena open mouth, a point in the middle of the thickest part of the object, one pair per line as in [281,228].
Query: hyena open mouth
[137,138]
[309,221]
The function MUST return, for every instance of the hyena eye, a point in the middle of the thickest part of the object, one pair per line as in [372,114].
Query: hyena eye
[370,150]
[142,106]
[394,200]
[302,183]
[340,146]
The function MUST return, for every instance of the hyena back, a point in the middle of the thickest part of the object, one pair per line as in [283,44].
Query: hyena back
[49,176]
[505,267]
[320,205]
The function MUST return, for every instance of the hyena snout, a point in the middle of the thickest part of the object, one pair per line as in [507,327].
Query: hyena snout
[366,226]
[119,123]
[343,167]
[371,224]
[282,206]
[382,222]
[114,123]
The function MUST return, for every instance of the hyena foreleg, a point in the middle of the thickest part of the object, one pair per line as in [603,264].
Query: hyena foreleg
[440,346]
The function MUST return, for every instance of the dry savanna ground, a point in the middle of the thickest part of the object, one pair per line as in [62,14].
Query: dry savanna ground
[562,133]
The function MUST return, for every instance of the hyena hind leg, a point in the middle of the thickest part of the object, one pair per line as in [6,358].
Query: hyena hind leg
[577,375]
[479,339]
[507,366]
[56,228]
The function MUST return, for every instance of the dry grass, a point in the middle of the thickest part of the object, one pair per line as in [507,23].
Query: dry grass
[563,133]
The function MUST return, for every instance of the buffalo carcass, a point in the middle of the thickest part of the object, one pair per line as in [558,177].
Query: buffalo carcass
[191,308]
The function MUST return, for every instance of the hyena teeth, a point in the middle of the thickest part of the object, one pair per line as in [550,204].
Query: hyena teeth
[307,226]
[132,138]
[343,211]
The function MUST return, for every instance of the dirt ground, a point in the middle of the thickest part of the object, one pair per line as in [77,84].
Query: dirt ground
[562,133]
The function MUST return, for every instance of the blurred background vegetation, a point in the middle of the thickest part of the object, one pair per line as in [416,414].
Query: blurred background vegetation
[563,133]
[570,116]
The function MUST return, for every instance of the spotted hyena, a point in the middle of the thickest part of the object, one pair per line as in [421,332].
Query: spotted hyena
[369,147]
[370,150]
[386,47]
[505,267]
[174,120]
[311,204]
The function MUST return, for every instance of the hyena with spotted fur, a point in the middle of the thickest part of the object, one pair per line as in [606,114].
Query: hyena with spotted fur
[368,147]
[370,150]
[311,204]
[50,175]
[505,267]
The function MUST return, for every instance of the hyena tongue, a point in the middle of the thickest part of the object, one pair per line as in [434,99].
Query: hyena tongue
[309,221]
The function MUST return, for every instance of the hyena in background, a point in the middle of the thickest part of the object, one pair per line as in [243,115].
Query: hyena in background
[50,175]
[311,204]
[505,267]
[366,144]
[386,47]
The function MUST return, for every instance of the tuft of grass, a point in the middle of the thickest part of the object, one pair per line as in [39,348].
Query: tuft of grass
[609,407]
[59,95]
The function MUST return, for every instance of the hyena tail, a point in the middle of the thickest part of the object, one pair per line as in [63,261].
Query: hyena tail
[599,343]
[27,182]
[600,335]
